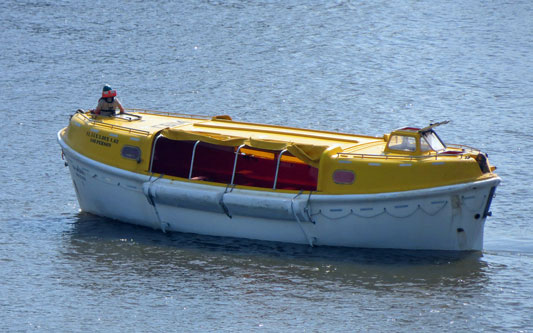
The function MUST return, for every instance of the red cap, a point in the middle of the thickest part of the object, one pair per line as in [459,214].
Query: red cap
[109,93]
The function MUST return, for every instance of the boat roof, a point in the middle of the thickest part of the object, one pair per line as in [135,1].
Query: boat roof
[151,123]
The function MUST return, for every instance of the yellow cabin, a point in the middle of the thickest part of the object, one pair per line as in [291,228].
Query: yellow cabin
[224,152]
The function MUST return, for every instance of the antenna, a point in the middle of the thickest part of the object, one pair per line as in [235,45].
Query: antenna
[432,126]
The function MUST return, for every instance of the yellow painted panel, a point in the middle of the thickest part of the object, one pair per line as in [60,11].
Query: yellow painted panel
[104,138]
[105,143]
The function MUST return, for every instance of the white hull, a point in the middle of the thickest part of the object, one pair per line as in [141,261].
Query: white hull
[444,218]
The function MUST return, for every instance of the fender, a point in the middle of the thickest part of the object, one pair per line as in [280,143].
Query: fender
[208,198]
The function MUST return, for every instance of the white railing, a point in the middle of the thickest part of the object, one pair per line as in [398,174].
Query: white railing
[465,152]
[169,113]
[112,126]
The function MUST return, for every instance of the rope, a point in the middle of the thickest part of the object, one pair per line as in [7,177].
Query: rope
[221,201]
[384,211]
[309,240]
[307,208]
[152,202]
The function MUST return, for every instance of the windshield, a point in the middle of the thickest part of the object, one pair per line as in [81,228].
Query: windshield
[403,143]
[431,141]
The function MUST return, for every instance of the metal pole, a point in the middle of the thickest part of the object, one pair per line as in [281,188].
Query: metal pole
[235,163]
[192,158]
[277,169]
[153,153]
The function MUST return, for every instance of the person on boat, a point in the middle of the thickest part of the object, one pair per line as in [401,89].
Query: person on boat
[108,103]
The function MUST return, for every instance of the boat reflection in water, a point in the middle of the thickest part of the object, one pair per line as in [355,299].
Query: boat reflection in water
[219,177]
[115,249]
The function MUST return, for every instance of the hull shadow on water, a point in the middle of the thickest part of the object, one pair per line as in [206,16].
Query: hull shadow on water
[109,244]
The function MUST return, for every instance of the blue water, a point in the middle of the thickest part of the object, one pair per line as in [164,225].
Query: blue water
[357,67]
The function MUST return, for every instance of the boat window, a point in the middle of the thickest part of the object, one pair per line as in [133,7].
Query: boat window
[131,152]
[346,177]
[431,141]
[403,143]
[424,145]
[214,163]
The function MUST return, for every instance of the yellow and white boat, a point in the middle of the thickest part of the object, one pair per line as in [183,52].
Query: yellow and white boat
[216,176]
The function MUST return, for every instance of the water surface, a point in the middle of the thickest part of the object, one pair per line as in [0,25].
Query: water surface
[356,67]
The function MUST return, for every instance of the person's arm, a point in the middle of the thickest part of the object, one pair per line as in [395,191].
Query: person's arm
[120,106]
[98,108]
